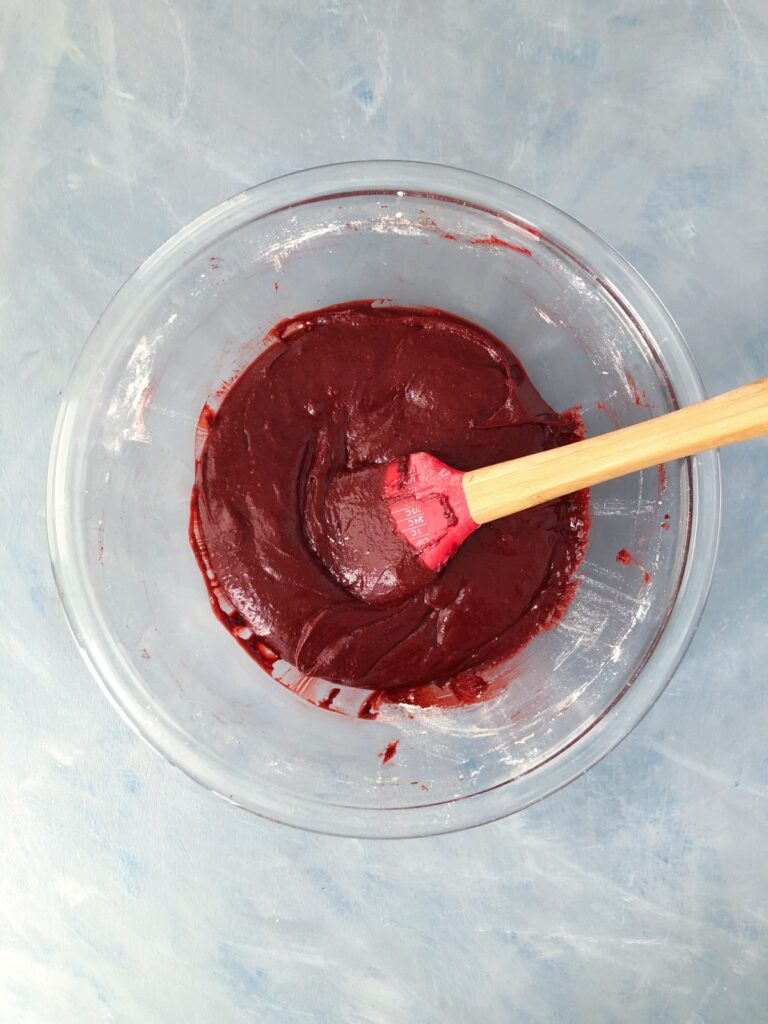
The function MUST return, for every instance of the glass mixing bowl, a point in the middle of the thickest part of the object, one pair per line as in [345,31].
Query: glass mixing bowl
[591,334]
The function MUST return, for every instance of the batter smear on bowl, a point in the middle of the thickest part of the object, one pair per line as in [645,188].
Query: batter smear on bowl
[358,385]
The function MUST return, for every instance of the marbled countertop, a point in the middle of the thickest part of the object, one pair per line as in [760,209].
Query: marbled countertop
[130,895]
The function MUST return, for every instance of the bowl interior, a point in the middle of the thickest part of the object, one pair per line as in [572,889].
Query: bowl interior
[191,319]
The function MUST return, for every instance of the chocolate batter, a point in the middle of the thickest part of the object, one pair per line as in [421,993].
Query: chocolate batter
[360,385]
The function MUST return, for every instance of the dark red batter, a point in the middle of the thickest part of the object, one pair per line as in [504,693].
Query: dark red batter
[359,385]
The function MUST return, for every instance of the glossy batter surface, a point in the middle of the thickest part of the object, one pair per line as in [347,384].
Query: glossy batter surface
[360,385]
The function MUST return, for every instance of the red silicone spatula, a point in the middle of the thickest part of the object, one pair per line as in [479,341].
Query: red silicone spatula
[391,528]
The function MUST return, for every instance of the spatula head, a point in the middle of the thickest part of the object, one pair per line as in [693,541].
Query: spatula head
[389,529]
[426,503]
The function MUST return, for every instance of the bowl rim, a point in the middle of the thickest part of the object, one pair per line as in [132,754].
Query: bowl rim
[608,268]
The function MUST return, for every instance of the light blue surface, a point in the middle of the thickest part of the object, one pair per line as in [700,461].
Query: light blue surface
[129,895]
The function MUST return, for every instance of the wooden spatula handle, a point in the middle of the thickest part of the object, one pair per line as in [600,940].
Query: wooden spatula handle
[500,490]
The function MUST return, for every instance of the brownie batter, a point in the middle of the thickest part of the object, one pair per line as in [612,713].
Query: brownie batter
[356,386]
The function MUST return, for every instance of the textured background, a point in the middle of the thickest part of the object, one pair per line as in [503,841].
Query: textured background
[127,894]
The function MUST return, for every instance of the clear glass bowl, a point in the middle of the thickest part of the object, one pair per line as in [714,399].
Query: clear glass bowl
[589,331]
